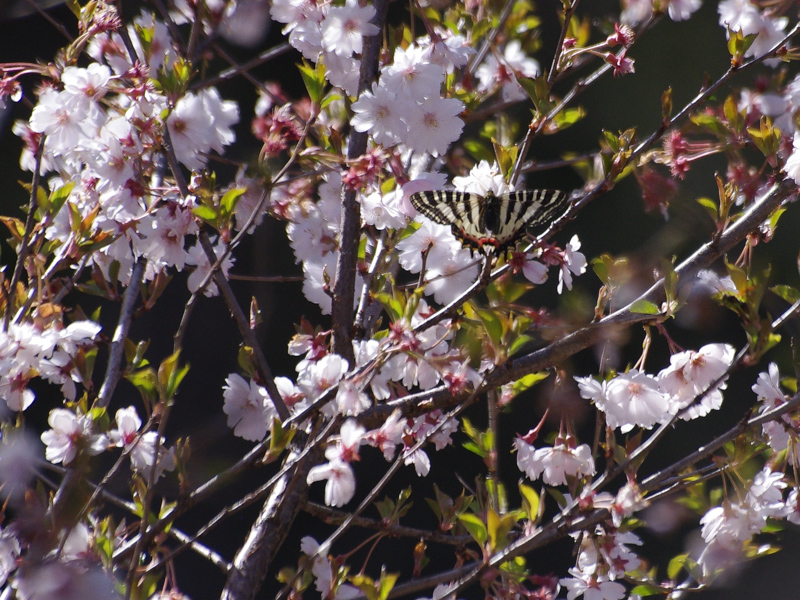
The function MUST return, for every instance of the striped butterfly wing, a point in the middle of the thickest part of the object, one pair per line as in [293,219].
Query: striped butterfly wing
[494,223]
[462,211]
[527,208]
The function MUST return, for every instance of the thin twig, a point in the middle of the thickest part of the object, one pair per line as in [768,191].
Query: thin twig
[366,292]
[493,32]
[236,69]
[336,517]
[117,352]
[24,245]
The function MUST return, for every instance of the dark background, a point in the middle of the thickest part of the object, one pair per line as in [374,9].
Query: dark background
[672,54]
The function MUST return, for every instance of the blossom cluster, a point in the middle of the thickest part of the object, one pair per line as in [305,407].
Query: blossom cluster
[690,387]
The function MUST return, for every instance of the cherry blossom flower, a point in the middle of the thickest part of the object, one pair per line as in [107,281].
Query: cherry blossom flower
[450,277]
[91,82]
[636,11]
[18,457]
[351,400]
[163,237]
[342,71]
[434,125]
[382,211]
[79,544]
[441,592]
[634,399]
[555,463]
[574,263]
[423,426]
[608,553]
[410,76]
[70,433]
[323,571]
[201,122]
[420,460]
[768,387]
[792,166]
[306,36]
[691,374]
[484,178]
[249,408]
[293,12]
[58,580]
[627,501]
[503,71]
[388,436]
[591,587]
[344,27]
[437,240]
[710,280]
[793,506]
[726,528]
[341,481]
[534,271]
[142,449]
[381,114]
[680,10]
[621,63]
[64,120]
[319,280]
[450,51]
[318,376]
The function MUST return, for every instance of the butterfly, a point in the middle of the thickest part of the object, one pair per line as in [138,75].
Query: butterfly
[490,224]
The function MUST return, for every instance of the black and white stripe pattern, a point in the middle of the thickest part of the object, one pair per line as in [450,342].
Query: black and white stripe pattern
[490,224]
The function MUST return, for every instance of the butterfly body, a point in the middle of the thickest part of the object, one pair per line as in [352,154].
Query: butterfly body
[490,224]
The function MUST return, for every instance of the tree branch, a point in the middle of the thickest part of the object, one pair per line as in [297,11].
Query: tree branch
[344,286]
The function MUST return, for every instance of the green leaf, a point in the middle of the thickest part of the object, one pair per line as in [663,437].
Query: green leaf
[314,80]
[787,292]
[645,307]
[675,565]
[330,98]
[766,138]
[518,343]
[569,116]
[600,267]
[732,114]
[538,91]
[499,526]
[505,157]
[206,213]
[230,199]
[710,206]
[492,324]
[170,375]
[387,584]
[530,501]
[59,197]
[646,590]
[278,441]
[475,449]
[528,381]
[144,380]
[475,527]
